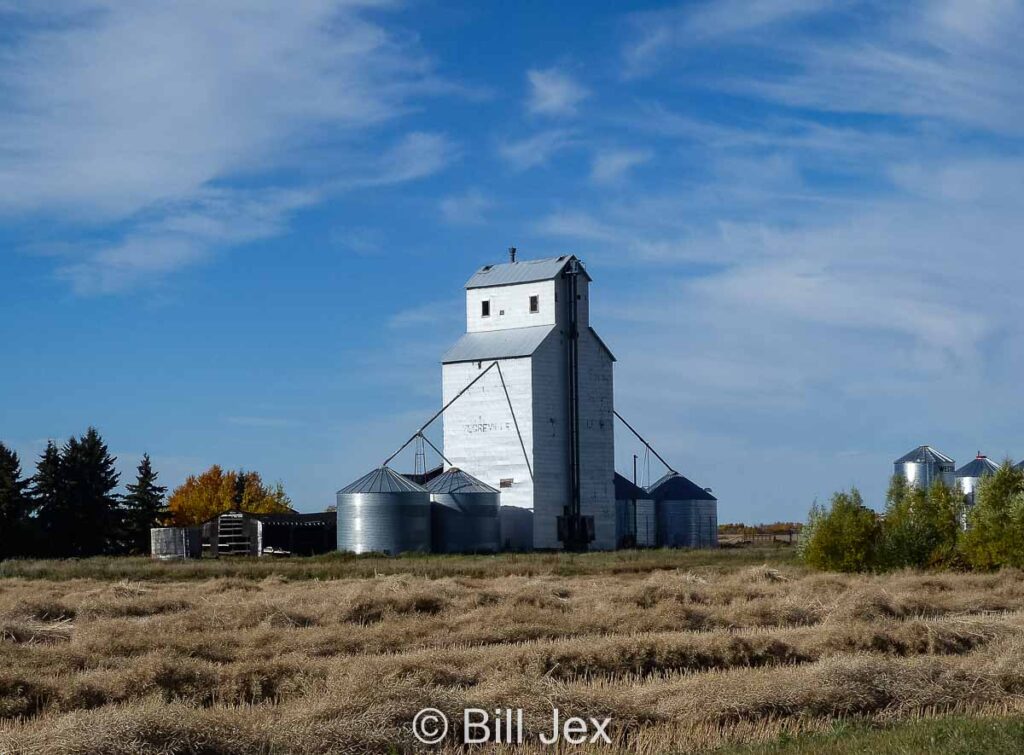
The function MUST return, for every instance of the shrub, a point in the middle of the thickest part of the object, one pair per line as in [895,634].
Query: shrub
[845,537]
[921,527]
[995,524]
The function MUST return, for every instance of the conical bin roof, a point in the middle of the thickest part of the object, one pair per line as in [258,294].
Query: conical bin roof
[383,480]
[674,487]
[457,481]
[924,455]
[980,467]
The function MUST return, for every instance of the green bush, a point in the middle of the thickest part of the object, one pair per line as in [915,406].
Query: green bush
[995,524]
[924,529]
[920,527]
[845,536]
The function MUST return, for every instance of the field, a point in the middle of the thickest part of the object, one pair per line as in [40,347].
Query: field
[739,650]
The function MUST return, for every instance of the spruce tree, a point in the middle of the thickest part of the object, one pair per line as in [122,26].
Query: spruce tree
[142,508]
[15,506]
[49,498]
[238,496]
[78,510]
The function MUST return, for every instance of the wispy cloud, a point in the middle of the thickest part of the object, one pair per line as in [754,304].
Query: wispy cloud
[469,208]
[554,92]
[536,150]
[612,165]
[656,34]
[159,117]
[954,60]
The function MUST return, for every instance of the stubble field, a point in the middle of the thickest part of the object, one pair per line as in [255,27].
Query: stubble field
[683,651]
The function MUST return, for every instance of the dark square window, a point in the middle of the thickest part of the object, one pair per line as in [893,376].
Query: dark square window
[485,309]
[534,304]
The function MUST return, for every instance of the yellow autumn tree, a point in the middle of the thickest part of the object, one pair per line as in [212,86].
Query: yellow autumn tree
[215,491]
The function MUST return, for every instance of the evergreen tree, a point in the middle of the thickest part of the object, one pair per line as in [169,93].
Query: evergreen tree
[238,495]
[48,496]
[141,508]
[15,505]
[78,513]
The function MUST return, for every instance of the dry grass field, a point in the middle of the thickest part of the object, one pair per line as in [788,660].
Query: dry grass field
[684,651]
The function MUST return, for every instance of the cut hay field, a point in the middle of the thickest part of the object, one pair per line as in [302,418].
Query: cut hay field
[684,651]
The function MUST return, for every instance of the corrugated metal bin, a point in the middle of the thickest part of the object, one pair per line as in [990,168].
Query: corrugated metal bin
[464,514]
[383,512]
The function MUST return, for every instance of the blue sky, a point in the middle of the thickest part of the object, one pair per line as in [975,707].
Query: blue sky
[237,232]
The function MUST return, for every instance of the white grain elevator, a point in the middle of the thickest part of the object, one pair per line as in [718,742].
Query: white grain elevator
[554,451]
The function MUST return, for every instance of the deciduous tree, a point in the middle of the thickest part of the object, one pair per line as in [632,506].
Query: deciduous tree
[215,491]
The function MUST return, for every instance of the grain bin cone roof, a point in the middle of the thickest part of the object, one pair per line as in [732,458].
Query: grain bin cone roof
[674,487]
[626,490]
[457,481]
[924,455]
[383,480]
[980,467]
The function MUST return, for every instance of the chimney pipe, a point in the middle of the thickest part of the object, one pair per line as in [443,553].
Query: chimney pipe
[511,254]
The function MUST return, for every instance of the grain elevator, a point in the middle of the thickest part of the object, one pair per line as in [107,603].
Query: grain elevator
[539,428]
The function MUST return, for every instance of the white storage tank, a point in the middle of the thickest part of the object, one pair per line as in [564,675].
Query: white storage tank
[175,543]
[383,512]
[970,474]
[464,514]
[923,466]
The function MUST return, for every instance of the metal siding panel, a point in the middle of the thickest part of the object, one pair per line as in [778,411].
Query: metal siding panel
[479,435]
[465,523]
[384,522]
[516,528]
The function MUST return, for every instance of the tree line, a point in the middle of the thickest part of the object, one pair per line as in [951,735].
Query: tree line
[71,508]
[933,528]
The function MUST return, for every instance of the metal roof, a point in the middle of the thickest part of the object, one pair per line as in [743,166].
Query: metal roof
[626,490]
[526,271]
[924,455]
[1019,465]
[980,467]
[674,487]
[382,480]
[457,481]
[497,344]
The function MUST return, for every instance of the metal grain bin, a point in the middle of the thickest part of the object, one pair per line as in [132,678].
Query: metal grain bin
[687,514]
[175,543]
[516,528]
[464,514]
[383,512]
[970,474]
[635,525]
[923,466]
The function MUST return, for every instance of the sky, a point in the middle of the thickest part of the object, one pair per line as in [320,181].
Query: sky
[237,232]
